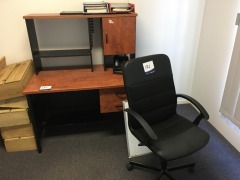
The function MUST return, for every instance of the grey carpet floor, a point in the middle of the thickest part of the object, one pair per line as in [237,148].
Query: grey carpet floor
[99,152]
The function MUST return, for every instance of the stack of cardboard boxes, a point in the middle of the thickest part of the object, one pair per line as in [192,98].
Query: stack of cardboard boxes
[16,129]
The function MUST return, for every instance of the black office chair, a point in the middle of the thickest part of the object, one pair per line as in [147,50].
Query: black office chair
[153,119]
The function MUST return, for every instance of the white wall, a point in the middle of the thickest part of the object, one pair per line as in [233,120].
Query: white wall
[14,43]
[214,55]
[171,27]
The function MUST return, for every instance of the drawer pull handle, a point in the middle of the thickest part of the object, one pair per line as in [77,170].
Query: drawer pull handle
[106,37]
[121,95]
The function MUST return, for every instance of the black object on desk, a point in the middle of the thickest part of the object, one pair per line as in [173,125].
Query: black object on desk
[118,63]
[71,12]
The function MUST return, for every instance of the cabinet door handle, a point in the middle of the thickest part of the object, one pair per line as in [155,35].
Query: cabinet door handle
[106,37]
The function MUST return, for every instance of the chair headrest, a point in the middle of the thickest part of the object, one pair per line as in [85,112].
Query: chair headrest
[146,68]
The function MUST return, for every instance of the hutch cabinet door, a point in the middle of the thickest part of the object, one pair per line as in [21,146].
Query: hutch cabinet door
[119,35]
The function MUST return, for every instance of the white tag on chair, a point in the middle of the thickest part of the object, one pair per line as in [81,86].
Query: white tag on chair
[148,67]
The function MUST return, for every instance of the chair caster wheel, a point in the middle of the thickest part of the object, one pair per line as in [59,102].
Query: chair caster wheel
[129,167]
[191,169]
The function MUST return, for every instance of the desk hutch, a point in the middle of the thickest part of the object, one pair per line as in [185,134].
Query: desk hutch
[118,36]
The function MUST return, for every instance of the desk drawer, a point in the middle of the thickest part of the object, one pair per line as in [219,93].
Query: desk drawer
[111,100]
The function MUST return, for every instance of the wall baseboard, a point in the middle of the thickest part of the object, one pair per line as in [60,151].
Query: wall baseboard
[182,101]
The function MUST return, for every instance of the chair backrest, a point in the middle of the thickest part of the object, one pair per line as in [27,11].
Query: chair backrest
[150,87]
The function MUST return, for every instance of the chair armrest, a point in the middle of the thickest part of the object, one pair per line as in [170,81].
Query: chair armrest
[203,112]
[143,123]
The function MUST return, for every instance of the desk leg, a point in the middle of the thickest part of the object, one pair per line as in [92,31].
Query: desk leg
[34,44]
[35,124]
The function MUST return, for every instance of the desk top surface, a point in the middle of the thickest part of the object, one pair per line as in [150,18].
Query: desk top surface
[58,16]
[74,80]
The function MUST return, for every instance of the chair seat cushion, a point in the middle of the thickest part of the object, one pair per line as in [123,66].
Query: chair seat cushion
[177,137]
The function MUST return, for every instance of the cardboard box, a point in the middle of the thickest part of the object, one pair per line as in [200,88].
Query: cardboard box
[13,117]
[14,112]
[14,78]
[25,130]
[2,63]
[20,144]
[18,102]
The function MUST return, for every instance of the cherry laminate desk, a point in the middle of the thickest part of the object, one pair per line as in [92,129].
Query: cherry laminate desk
[73,91]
